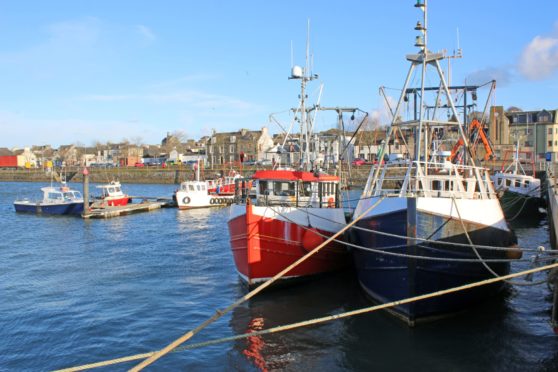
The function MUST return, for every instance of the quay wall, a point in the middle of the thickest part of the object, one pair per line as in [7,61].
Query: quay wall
[171,175]
[140,175]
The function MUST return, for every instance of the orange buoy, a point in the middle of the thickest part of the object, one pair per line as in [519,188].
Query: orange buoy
[311,239]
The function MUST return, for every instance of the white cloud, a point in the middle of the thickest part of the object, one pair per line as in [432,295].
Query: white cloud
[539,58]
[146,32]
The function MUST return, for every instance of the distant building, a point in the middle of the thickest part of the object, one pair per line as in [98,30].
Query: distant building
[535,130]
[231,147]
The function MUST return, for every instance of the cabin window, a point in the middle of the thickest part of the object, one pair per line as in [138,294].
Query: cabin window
[447,185]
[198,187]
[203,187]
[306,189]
[54,195]
[284,188]
[508,183]
[517,183]
[527,183]
[436,185]
[264,188]
[191,187]
[111,190]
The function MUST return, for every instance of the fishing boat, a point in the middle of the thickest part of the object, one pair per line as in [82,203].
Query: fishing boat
[431,225]
[59,200]
[294,210]
[205,194]
[520,192]
[112,195]
[224,185]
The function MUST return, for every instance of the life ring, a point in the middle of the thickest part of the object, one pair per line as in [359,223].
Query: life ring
[186,200]
[330,203]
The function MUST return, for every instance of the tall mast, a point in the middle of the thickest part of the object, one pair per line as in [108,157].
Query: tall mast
[305,75]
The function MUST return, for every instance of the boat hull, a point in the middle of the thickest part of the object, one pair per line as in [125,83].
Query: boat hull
[520,206]
[264,243]
[117,201]
[53,209]
[186,200]
[387,278]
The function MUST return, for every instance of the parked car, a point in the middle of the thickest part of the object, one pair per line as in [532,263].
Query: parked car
[250,162]
[358,162]
[139,165]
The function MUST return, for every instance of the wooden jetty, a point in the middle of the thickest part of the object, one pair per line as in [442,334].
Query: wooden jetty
[98,211]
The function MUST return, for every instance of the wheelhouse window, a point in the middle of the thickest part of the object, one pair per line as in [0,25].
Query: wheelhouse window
[284,188]
[264,187]
[306,189]
[191,187]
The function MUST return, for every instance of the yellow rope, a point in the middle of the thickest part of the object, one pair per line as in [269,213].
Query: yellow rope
[321,320]
[185,337]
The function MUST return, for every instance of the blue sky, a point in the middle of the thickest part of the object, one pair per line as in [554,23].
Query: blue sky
[86,71]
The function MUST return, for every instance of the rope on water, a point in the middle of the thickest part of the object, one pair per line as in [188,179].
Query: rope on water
[316,320]
[218,314]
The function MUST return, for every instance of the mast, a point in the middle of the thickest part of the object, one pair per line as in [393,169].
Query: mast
[304,75]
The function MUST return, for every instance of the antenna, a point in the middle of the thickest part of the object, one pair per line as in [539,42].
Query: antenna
[292,55]
[307,72]
[458,46]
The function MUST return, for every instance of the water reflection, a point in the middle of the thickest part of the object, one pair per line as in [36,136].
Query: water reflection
[195,219]
[312,346]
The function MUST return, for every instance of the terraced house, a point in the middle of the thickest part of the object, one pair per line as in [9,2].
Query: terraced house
[536,131]
[242,145]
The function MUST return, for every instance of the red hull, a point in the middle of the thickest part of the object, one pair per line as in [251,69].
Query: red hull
[117,202]
[272,245]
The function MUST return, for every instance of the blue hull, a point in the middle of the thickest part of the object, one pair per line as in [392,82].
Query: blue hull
[388,278]
[54,209]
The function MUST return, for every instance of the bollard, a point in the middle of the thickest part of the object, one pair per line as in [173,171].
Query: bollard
[86,210]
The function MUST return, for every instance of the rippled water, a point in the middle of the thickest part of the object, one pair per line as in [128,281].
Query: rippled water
[75,292]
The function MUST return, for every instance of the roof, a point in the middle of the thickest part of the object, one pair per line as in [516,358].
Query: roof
[291,175]
[5,152]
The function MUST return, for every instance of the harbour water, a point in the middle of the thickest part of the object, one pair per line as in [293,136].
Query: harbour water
[74,292]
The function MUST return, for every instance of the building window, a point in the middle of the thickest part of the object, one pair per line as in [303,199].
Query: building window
[231,149]
[549,130]
[549,143]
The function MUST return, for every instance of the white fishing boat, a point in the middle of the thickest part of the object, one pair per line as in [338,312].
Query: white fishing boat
[205,194]
[520,192]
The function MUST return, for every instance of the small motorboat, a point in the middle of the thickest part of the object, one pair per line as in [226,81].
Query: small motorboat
[56,200]
[112,195]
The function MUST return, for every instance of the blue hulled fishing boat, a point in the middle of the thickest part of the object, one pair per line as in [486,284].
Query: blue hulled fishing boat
[430,224]
[56,200]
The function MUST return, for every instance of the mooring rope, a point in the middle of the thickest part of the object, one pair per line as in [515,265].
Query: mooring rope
[219,313]
[316,320]
[439,242]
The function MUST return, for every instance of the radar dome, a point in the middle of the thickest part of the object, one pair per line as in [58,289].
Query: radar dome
[296,72]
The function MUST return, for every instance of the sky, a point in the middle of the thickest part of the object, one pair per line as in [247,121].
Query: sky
[80,72]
